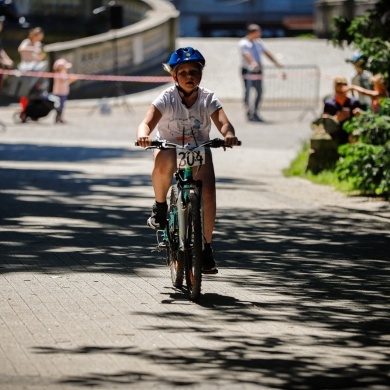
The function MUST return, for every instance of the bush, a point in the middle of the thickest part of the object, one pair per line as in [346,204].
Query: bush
[366,163]
[365,167]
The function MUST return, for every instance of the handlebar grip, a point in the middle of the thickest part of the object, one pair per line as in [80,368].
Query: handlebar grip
[219,142]
[154,143]
[239,143]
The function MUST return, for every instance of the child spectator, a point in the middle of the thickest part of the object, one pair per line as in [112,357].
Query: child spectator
[61,85]
[379,91]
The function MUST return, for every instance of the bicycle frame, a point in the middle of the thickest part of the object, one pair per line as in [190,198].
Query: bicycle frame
[183,237]
[186,184]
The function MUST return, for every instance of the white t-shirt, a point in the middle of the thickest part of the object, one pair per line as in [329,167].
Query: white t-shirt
[256,48]
[181,124]
[30,51]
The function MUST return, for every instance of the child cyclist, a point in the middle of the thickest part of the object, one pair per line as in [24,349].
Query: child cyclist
[183,113]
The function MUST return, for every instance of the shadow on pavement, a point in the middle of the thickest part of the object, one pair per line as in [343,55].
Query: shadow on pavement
[44,153]
[330,271]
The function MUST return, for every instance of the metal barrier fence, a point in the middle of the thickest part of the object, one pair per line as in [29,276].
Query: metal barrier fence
[291,88]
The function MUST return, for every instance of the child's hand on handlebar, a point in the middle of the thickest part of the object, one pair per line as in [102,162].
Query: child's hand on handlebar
[231,140]
[144,141]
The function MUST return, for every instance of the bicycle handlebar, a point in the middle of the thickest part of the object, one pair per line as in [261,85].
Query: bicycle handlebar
[213,143]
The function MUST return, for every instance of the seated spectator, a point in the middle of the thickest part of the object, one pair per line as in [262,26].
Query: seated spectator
[338,109]
[379,91]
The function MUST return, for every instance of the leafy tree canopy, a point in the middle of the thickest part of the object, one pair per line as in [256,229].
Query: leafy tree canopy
[370,34]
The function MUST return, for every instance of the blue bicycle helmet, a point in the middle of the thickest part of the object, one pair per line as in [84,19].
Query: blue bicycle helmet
[186,54]
[357,57]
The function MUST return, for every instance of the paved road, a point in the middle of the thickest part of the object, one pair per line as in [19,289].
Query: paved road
[301,300]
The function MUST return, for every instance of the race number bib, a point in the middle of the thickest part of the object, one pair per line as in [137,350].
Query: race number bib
[190,158]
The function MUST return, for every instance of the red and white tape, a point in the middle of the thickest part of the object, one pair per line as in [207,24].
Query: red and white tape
[298,73]
[134,79]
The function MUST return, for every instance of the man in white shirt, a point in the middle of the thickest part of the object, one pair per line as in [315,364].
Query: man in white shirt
[252,48]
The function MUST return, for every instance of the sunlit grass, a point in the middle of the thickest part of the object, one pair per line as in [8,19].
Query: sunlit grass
[298,167]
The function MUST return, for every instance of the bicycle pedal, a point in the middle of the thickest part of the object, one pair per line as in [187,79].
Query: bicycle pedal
[162,245]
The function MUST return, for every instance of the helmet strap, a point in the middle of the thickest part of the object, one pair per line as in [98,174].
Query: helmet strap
[184,93]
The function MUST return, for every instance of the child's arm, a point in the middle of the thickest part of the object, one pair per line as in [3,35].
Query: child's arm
[72,78]
[224,126]
[147,125]
[363,91]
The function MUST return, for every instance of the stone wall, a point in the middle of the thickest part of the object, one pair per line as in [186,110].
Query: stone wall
[138,49]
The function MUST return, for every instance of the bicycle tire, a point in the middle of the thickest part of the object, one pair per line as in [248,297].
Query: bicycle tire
[193,252]
[174,257]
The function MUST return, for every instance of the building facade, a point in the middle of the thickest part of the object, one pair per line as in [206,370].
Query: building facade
[326,10]
[213,18]
[204,18]
[133,50]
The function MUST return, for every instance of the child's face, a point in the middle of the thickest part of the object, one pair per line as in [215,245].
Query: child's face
[188,76]
[36,36]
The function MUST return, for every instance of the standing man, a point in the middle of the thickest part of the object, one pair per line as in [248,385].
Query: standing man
[252,48]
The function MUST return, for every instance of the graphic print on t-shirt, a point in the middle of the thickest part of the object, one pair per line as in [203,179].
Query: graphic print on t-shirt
[184,130]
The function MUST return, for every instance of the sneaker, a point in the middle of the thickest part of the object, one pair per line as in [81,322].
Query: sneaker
[158,219]
[256,118]
[209,265]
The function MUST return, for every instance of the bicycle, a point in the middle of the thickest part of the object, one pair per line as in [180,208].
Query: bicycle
[183,237]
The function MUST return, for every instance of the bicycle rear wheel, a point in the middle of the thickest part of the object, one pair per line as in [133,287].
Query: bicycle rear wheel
[174,257]
[193,252]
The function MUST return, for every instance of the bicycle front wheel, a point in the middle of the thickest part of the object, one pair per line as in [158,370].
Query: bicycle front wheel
[193,251]
[175,258]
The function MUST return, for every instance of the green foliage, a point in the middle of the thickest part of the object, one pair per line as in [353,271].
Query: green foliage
[370,35]
[340,32]
[365,167]
[298,167]
[299,164]
[370,128]
[366,164]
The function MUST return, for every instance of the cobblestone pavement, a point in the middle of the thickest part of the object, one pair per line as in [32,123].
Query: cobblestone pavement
[301,300]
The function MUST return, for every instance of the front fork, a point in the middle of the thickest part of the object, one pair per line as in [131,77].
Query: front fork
[182,212]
